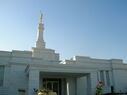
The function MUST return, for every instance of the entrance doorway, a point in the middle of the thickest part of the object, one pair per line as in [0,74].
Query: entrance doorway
[53,84]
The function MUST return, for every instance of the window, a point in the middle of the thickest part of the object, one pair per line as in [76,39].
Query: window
[1,75]
[107,78]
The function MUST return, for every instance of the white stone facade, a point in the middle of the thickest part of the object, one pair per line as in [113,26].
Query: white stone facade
[25,71]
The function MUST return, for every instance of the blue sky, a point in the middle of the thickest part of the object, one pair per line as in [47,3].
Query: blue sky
[95,28]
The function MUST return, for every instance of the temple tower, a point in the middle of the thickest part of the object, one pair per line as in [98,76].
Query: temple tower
[40,40]
[40,51]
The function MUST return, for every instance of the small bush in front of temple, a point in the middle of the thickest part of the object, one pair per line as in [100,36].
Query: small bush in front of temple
[42,91]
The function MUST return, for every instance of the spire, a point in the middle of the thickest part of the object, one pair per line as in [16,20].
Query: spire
[41,17]
[40,41]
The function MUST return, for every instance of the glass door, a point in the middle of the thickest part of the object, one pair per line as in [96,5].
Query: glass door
[52,84]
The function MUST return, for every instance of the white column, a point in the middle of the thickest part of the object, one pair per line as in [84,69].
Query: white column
[82,85]
[41,82]
[105,80]
[88,85]
[68,88]
[71,86]
[6,77]
[33,81]
[93,83]
[99,79]
[110,78]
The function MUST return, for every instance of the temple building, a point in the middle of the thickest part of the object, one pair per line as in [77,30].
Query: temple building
[21,72]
